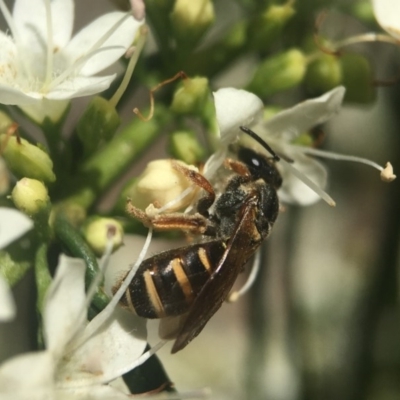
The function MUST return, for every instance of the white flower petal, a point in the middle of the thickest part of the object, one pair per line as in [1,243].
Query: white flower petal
[235,107]
[214,162]
[293,190]
[14,96]
[80,86]
[13,224]
[38,110]
[7,54]
[7,304]
[30,21]
[64,312]
[25,74]
[387,12]
[114,47]
[288,124]
[29,374]
[107,354]
[102,392]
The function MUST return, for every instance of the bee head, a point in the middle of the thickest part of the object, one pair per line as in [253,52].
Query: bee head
[260,166]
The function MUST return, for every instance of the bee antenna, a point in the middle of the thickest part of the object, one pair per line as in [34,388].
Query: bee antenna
[263,143]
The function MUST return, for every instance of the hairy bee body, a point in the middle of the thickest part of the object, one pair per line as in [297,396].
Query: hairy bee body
[167,283]
[195,280]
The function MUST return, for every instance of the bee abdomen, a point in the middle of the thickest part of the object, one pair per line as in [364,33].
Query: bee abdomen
[167,284]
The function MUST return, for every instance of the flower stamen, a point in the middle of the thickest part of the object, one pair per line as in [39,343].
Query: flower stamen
[109,309]
[92,290]
[139,361]
[131,66]
[356,39]
[176,200]
[96,48]
[204,393]
[386,172]
[108,34]
[180,74]
[77,64]
[321,193]
[234,296]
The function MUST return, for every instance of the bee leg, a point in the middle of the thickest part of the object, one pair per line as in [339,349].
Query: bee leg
[237,167]
[243,174]
[196,223]
[199,180]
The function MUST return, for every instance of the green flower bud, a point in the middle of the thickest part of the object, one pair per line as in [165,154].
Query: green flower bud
[30,196]
[357,78]
[191,97]
[363,11]
[184,146]
[159,184]
[96,232]
[26,160]
[323,74]
[279,73]
[190,19]
[268,25]
[98,124]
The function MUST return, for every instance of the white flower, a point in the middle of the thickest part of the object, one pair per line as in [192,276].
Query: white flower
[162,184]
[281,130]
[13,224]
[303,177]
[235,108]
[42,67]
[387,12]
[80,357]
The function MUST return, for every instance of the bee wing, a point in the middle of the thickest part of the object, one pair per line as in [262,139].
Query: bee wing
[239,249]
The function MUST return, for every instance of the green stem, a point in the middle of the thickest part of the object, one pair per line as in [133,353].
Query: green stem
[71,238]
[52,132]
[42,275]
[14,263]
[130,68]
[101,170]
[43,280]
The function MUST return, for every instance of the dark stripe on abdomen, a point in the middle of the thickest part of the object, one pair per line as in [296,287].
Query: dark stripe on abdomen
[167,283]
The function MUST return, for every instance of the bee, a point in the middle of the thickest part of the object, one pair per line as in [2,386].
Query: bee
[193,281]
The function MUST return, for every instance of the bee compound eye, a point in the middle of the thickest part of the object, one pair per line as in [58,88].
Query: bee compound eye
[250,158]
[255,162]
